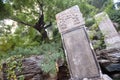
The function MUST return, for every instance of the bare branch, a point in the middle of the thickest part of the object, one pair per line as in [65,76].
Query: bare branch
[21,22]
[40,7]
[38,2]
[50,24]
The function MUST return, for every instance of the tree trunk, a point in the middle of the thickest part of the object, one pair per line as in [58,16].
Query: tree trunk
[4,71]
[40,27]
[44,34]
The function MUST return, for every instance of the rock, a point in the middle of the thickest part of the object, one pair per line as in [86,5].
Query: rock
[52,77]
[116,24]
[85,79]
[117,55]
[37,77]
[1,76]
[106,77]
[109,60]
[74,79]
[111,55]
[4,73]
[113,67]
[31,68]
[116,76]
[104,61]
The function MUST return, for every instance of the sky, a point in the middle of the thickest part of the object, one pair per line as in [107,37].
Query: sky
[10,22]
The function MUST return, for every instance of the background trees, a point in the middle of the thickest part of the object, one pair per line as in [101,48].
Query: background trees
[38,14]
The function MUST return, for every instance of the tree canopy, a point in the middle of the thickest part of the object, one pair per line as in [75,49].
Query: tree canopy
[38,14]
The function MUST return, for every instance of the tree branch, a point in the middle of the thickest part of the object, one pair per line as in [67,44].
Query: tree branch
[50,24]
[21,22]
[40,7]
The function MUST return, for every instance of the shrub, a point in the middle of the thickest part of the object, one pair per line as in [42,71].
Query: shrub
[51,52]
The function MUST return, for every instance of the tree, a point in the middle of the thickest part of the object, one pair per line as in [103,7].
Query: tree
[98,3]
[29,13]
[37,13]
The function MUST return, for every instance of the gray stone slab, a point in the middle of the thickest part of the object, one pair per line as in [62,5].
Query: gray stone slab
[111,36]
[81,59]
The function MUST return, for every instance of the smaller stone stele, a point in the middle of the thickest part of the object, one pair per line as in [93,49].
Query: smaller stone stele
[111,36]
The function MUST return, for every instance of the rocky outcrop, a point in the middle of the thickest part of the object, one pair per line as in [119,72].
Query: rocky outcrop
[110,56]
[109,60]
[31,70]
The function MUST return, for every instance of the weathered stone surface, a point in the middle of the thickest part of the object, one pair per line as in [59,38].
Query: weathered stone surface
[113,67]
[76,44]
[32,65]
[31,68]
[69,19]
[112,55]
[116,76]
[110,61]
[37,77]
[111,36]
[1,75]
[106,77]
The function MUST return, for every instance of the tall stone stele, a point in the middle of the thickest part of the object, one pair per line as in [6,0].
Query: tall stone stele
[111,36]
[80,56]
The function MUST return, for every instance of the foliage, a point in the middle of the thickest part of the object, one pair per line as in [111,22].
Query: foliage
[113,14]
[28,12]
[89,22]
[10,41]
[26,41]
[13,65]
[115,17]
[100,4]
[109,7]
[5,10]
[51,52]
[96,37]
[87,10]
[23,9]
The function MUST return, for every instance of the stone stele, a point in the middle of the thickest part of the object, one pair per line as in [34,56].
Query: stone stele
[80,57]
[111,36]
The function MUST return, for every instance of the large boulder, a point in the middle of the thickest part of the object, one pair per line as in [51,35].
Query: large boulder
[31,70]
